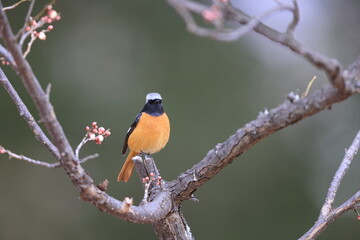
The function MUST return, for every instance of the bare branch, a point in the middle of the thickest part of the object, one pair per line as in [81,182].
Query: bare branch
[27,18]
[29,119]
[331,66]
[96,155]
[339,175]
[289,112]
[184,8]
[30,160]
[295,20]
[328,213]
[15,5]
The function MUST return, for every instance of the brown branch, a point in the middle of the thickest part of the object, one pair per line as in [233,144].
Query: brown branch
[29,119]
[15,5]
[27,18]
[328,213]
[30,160]
[331,66]
[292,110]
[147,213]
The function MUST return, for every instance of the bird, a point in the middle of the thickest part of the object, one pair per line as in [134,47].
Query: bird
[148,134]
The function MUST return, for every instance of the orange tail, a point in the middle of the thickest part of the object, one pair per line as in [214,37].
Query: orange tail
[127,168]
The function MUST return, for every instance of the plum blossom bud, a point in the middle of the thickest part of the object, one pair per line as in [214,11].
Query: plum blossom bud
[27,28]
[52,14]
[101,130]
[99,139]
[50,27]
[91,136]
[94,124]
[44,18]
[42,36]
[87,128]
[107,133]
[2,150]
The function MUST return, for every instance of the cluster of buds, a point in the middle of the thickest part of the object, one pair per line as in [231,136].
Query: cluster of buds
[148,180]
[51,16]
[96,133]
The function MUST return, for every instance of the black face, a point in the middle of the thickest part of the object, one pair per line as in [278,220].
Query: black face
[155,101]
[153,107]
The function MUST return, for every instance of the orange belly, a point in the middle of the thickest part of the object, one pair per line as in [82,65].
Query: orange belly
[150,134]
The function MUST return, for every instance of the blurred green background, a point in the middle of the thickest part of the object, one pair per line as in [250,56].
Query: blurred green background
[104,56]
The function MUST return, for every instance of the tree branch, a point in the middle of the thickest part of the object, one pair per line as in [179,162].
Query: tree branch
[147,213]
[331,66]
[292,110]
[30,160]
[328,213]
[29,119]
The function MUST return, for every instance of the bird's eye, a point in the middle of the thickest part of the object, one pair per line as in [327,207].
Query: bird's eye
[155,101]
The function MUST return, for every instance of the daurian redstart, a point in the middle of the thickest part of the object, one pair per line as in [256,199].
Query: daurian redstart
[148,134]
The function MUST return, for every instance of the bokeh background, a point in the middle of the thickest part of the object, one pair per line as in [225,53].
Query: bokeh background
[104,56]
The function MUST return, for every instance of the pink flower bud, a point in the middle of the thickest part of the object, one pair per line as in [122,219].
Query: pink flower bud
[94,124]
[2,150]
[44,18]
[49,7]
[87,128]
[52,14]
[58,17]
[50,27]
[95,130]
[91,136]
[42,36]
[99,138]
[101,130]
[33,22]
[28,28]
[107,133]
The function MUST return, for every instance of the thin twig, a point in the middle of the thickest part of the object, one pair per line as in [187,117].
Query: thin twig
[296,17]
[30,160]
[27,19]
[89,158]
[331,66]
[227,35]
[321,224]
[28,49]
[81,144]
[15,5]
[29,119]
[339,175]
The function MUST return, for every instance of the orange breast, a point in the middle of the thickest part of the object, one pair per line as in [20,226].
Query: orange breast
[150,134]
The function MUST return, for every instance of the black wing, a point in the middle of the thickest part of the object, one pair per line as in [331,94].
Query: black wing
[130,130]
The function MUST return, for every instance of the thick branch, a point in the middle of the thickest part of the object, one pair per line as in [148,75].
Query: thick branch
[289,112]
[147,213]
[34,88]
